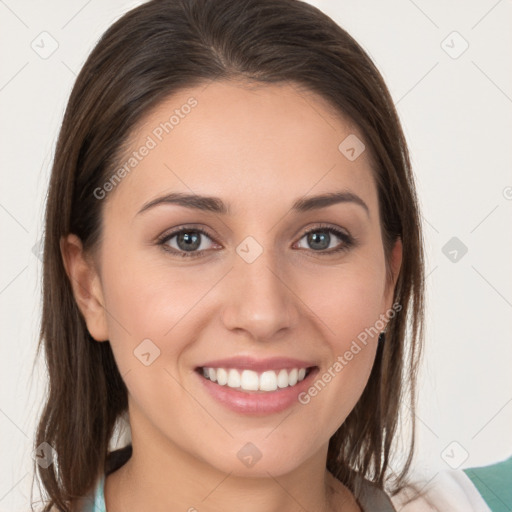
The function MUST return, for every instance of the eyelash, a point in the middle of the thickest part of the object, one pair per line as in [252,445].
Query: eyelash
[348,240]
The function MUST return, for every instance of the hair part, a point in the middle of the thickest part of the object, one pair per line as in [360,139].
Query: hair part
[150,53]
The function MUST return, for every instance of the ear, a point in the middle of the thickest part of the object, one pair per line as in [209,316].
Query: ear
[395,264]
[86,286]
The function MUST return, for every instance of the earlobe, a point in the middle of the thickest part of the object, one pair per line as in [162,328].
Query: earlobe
[86,286]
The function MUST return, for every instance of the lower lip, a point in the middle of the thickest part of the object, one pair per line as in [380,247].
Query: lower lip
[264,402]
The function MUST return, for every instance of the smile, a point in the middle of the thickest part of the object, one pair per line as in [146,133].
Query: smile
[248,385]
[250,380]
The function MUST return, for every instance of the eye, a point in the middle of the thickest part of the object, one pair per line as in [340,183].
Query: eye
[188,243]
[320,238]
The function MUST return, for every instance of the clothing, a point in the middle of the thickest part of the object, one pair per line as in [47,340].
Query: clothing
[94,501]
[447,491]
[478,489]
[374,499]
[494,483]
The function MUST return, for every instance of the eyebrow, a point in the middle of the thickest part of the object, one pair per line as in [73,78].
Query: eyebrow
[216,205]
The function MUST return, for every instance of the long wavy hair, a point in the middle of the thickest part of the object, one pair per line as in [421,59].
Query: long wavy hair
[151,52]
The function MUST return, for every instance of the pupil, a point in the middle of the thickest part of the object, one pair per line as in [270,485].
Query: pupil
[191,242]
[314,239]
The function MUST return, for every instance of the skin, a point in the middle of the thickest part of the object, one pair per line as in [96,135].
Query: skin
[259,149]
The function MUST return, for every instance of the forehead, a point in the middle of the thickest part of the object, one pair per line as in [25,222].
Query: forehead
[254,145]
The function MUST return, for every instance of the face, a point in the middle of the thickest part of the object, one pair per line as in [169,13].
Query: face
[260,287]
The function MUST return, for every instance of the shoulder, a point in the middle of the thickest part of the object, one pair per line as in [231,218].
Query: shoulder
[446,490]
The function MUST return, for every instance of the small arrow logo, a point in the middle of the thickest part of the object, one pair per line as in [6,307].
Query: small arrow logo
[351,147]
[454,45]
[454,249]
[249,249]
[454,454]
[44,45]
[146,352]
[249,455]
[44,455]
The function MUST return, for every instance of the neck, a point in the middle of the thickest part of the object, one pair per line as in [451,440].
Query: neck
[160,476]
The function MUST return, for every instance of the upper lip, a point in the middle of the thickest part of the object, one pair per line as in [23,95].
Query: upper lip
[258,365]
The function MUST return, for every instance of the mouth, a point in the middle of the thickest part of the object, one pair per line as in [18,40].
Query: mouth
[251,381]
[256,387]
[248,385]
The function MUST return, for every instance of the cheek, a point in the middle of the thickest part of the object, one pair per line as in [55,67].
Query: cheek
[153,300]
[348,304]
[148,296]
[152,317]
[347,300]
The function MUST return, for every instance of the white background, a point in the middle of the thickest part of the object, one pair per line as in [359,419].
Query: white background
[457,116]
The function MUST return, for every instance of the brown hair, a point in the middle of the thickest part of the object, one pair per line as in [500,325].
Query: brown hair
[150,53]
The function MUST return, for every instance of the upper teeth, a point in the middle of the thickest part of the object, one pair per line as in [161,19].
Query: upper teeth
[249,380]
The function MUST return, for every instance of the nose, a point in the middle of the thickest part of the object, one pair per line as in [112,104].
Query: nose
[259,299]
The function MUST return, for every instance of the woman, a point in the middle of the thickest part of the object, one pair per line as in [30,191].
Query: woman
[231,228]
